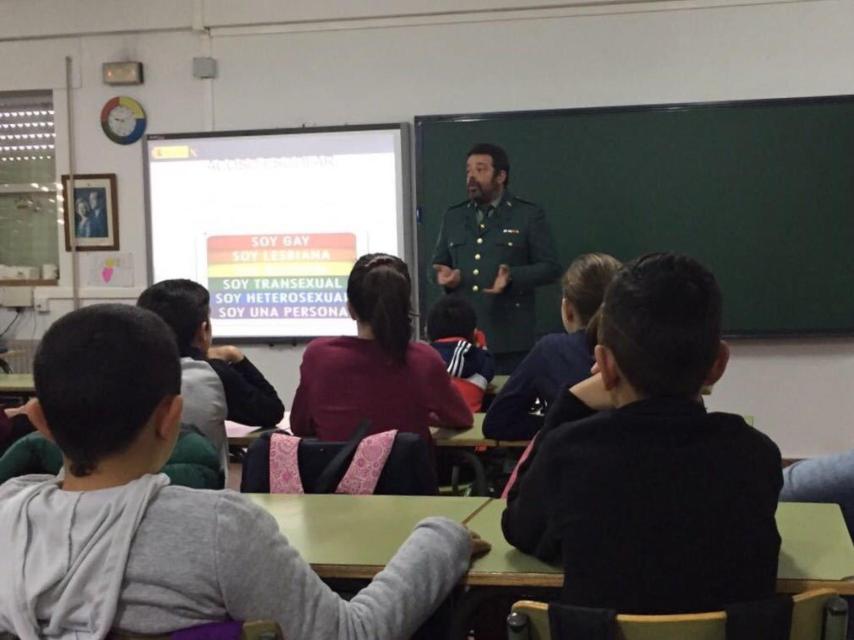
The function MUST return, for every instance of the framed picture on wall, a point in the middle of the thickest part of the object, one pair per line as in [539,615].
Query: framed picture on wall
[92,213]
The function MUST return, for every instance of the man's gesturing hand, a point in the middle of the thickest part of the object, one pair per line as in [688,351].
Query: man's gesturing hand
[447,277]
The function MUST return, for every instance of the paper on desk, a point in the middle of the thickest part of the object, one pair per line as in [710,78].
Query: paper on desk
[237,430]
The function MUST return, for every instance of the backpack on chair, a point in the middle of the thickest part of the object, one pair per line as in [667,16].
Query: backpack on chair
[387,463]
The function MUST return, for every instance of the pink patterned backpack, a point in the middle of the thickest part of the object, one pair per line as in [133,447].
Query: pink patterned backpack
[388,463]
[360,478]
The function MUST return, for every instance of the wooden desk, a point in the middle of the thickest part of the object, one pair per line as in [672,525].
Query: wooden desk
[472,437]
[17,383]
[354,537]
[816,552]
[241,437]
[496,384]
[505,565]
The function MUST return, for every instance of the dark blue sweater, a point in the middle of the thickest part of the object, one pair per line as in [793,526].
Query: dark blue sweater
[557,360]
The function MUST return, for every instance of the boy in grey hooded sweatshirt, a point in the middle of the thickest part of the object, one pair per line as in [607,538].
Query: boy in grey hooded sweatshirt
[113,546]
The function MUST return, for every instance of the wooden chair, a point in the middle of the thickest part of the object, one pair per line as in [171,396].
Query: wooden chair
[816,615]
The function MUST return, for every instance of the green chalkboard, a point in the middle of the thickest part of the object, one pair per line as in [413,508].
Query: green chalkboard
[762,192]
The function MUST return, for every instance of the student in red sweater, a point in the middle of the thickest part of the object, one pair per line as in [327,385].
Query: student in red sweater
[379,374]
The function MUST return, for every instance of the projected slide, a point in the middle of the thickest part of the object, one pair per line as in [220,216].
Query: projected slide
[271,224]
[258,277]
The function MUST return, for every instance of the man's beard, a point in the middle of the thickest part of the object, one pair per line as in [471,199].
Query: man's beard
[477,193]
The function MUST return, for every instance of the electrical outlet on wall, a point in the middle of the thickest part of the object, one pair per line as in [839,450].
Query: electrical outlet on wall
[41,304]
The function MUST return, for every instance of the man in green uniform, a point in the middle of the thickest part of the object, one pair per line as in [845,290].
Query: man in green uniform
[495,249]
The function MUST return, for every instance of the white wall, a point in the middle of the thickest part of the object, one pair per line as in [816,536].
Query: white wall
[287,64]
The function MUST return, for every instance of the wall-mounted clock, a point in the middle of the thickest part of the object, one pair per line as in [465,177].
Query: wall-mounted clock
[123,120]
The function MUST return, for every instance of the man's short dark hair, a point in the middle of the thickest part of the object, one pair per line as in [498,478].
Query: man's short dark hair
[451,317]
[183,304]
[99,374]
[661,317]
[500,161]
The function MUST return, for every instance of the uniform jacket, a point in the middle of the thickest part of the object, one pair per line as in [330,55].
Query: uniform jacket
[516,234]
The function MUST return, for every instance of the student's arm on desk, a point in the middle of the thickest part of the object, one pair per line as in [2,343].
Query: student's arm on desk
[262,576]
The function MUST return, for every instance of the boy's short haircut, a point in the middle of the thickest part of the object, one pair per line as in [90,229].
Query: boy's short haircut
[661,317]
[451,317]
[99,374]
[183,304]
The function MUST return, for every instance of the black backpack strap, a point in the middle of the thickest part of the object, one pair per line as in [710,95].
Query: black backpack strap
[331,475]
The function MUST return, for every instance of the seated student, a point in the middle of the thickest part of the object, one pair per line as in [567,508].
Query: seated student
[652,504]
[379,374]
[217,383]
[113,547]
[452,328]
[828,478]
[558,359]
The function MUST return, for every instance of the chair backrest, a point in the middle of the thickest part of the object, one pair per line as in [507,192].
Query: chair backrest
[816,615]
[409,469]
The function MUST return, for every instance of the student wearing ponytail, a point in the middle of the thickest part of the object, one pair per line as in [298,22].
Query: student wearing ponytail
[378,297]
[379,374]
